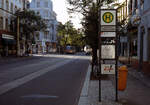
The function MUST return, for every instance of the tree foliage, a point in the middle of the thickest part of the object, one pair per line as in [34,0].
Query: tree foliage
[90,11]
[30,22]
[68,35]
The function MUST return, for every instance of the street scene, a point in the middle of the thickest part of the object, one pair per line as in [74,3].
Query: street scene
[74,52]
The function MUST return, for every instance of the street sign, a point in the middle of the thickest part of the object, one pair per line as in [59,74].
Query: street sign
[5,36]
[108,28]
[108,34]
[108,62]
[108,51]
[108,42]
[107,69]
[108,17]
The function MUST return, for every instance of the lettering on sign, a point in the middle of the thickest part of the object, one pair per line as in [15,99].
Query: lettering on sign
[108,61]
[108,69]
[5,36]
[108,28]
[108,34]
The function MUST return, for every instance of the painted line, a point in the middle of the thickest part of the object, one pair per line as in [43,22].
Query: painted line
[39,96]
[14,84]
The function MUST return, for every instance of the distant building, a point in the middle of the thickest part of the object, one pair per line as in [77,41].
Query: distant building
[45,40]
[7,33]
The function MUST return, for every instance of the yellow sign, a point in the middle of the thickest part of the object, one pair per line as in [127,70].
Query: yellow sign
[108,17]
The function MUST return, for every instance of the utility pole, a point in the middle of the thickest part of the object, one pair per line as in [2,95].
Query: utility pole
[18,37]
[141,38]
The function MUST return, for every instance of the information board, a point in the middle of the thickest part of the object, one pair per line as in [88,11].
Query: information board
[108,51]
[107,69]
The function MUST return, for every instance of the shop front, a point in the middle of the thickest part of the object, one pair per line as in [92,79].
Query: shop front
[7,45]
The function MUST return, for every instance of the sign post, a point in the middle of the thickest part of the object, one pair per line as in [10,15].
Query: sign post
[108,60]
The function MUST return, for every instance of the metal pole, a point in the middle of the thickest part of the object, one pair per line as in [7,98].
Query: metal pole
[18,36]
[116,59]
[99,46]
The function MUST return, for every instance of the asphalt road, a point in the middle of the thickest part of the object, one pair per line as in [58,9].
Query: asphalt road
[57,82]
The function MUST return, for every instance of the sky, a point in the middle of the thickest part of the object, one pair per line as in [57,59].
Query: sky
[60,7]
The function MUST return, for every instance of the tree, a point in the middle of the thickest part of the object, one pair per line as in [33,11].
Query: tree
[90,11]
[68,35]
[30,22]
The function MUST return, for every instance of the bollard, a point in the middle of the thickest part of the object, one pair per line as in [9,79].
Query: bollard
[122,78]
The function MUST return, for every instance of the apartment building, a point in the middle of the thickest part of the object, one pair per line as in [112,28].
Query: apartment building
[144,35]
[45,40]
[7,33]
[138,30]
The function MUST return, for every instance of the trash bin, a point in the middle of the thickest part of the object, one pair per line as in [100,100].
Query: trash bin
[122,78]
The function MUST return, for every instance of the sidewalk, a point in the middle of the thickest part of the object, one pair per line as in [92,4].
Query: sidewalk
[140,76]
[90,92]
[136,93]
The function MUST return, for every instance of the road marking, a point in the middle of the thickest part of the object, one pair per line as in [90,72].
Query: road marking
[39,96]
[14,84]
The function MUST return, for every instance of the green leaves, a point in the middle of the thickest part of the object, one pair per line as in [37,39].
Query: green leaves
[30,21]
[68,35]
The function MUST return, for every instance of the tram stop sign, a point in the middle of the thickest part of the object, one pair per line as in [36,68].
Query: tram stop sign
[108,17]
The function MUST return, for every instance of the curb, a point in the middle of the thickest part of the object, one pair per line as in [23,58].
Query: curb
[84,93]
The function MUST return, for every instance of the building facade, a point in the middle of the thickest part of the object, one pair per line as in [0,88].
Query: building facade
[7,31]
[138,28]
[144,35]
[45,40]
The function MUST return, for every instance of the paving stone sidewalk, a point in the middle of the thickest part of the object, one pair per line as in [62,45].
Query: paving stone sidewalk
[89,94]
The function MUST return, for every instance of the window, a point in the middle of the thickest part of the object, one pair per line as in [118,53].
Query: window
[135,5]
[46,4]
[12,26]
[15,8]
[38,12]
[1,3]
[6,24]
[38,4]
[7,5]
[20,1]
[46,13]
[1,22]
[37,36]
[46,34]
[142,2]
[12,7]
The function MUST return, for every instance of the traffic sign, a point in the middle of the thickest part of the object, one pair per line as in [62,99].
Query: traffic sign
[108,45]
[108,17]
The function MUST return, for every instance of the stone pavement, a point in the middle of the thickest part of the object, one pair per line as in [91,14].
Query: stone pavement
[140,76]
[90,96]
[136,93]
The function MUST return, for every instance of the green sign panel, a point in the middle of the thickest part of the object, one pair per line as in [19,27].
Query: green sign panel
[108,17]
